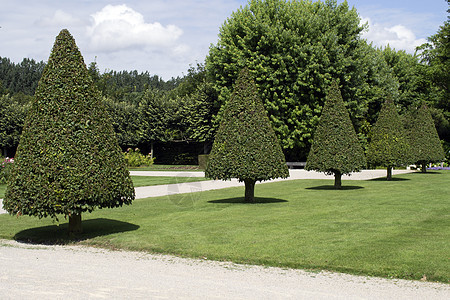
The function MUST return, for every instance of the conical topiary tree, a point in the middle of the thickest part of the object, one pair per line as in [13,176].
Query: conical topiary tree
[335,148]
[246,146]
[68,160]
[423,138]
[388,146]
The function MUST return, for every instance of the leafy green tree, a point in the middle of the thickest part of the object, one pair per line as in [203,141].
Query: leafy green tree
[126,122]
[154,117]
[246,146]
[22,77]
[435,54]
[68,160]
[335,148]
[388,146]
[409,73]
[294,49]
[12,116]
[423,138]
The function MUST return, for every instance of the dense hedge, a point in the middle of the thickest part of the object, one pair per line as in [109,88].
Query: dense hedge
[68,160]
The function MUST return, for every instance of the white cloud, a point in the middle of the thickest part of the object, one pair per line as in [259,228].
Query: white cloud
[397,36]
[120,27]
[59,18]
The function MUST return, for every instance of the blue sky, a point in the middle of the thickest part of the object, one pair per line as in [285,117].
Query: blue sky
[165,37]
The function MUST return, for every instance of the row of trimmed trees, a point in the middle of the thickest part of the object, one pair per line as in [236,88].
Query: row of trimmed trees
[247,148]
[394,141]
[69,161]
[293,49]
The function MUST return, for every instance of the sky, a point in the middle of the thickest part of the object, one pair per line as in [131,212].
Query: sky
[166,37]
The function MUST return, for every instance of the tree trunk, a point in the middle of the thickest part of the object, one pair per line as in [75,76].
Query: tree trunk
[75,224]
[249,190]
[337,180]
[389,173]
[424,168]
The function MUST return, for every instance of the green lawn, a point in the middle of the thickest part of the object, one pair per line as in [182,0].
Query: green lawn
[167,168]
[156,180]
[397,229]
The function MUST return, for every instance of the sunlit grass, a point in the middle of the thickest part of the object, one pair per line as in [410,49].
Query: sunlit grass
[167,168]
[395,229]
[156,180]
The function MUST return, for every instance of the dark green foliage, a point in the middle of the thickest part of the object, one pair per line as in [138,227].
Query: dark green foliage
[388,146]
[68,160]
[22,77]
[423,138]
[294,49]
[12,116]
[246,146]
[435,56]
[153,110]
[125,121]
[335,148]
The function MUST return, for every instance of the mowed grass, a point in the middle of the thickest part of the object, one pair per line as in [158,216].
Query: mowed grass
[398,229]
[155,167]
[159,180]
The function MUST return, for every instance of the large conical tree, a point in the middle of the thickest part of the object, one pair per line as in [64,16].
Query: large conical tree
[423,138]
[246,146]
[68,160]
[388,146]
[335,148]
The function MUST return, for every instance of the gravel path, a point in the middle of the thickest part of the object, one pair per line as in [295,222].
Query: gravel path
[77,272]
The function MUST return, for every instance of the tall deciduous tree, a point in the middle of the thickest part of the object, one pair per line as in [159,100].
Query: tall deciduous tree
[436,55]
[423,138]
[388,146]
[155,116]
[246,146]
[335,148]
[294,49]
[68,160]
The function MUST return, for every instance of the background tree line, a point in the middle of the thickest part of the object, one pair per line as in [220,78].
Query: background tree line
[293,50]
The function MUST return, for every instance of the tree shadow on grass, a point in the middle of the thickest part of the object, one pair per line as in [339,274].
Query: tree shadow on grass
[331,188]
[58,235]
[240,200]
[395,178]
[428,172]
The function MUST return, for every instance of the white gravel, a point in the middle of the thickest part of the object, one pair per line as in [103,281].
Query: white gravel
[77,272]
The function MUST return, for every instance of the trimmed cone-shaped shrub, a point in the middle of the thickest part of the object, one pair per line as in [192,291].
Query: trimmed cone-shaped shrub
[335,149]
[423,138]
[246,146]
[388,146]
[68,160]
